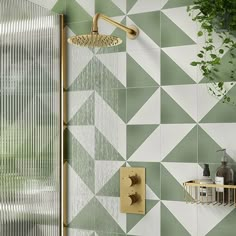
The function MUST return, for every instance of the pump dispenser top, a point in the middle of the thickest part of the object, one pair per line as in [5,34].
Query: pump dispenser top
[224,156]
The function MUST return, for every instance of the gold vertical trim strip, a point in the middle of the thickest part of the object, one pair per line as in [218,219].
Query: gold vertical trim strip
[63,173]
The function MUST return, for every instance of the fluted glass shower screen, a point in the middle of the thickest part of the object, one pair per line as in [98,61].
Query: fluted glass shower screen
[29,120]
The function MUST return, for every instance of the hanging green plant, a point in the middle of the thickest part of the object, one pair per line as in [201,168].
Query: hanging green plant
[216,16]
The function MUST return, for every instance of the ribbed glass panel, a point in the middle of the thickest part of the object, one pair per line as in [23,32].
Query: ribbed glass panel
[29,120]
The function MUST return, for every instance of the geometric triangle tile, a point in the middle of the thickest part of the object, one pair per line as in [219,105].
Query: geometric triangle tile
[186,214]
[130,4]
[183,56]
[224,134]
[112,205]
[172,112]
[78,193]
[85,135]
[143,6]
[181,18]
[136,136]
[152,173]
[144,41]
[88,6]
[150,195]
[143,69]
[104,150]
[121,4]
[149,224]
[78,232]
[177,3]
[145,22]
[186,149]
[215,221]
[46,4]
[150,149]
[172,135]
[222,112]
[171,73]
[180,37]
[75,12]
[108,8]
[134,219]
[170,224]
[185,96]
[136,98]
[149,112]
[102,175]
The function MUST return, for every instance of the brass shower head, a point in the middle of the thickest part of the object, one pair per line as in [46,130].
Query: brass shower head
[97,40]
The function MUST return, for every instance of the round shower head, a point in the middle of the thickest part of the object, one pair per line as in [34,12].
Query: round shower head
[95,40]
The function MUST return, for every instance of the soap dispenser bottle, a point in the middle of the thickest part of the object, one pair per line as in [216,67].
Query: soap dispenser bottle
[224,175]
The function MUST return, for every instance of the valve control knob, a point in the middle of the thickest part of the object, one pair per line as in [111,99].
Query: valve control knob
[133,198]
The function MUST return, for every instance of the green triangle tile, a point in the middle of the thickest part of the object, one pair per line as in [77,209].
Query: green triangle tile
[170,225]
[120,48]
[86,80]
[104,149]
[133,219]
[130,4]
[95,217]
[171,73]
[116,99]
[109,234]
[136,135]
[152,173]
[108,8]
[226,226]
[59,7]
[75,13]
[112,187]
[207,148]
[171,189]
[171,112]
[136,98]
[79,159]
[222,112]
[85,115]
[178,3]
[137,76]
[78,28]
[167,38]
[149,22]
[186,150]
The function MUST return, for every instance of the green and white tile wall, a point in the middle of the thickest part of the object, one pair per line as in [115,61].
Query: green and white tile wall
[166,119]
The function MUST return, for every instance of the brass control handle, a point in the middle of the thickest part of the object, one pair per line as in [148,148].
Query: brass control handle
[133,198]
[133,180]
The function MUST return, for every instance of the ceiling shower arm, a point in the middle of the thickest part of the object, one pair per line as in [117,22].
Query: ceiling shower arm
[132,32]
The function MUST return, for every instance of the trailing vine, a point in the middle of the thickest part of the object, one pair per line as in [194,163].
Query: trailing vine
[217,16]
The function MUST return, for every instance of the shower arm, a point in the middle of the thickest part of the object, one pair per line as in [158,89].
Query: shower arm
[132,31]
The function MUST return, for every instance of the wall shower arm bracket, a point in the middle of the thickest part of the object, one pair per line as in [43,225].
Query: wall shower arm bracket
[132,31]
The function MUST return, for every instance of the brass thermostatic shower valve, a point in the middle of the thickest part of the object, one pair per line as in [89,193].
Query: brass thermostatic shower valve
[132,190]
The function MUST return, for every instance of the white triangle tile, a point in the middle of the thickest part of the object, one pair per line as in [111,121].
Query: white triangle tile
[74,59]
[224,134]
[186,214]
[150,195]
[88,6]
[121,4]
[79,194]
[149,113]
[171,135]
[144,6]
[149,60]
[143,41]
[180,17]
[49,4]
[182,172]
[163,3]
[185,96]
[76,100]
[112,205]
[149,151]
[183,56]
[210,216]
[85,136]
[149,224]
[106,120]
[104,170]
[116,63]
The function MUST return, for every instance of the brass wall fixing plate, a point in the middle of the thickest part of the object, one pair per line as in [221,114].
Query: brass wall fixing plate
[132,190]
